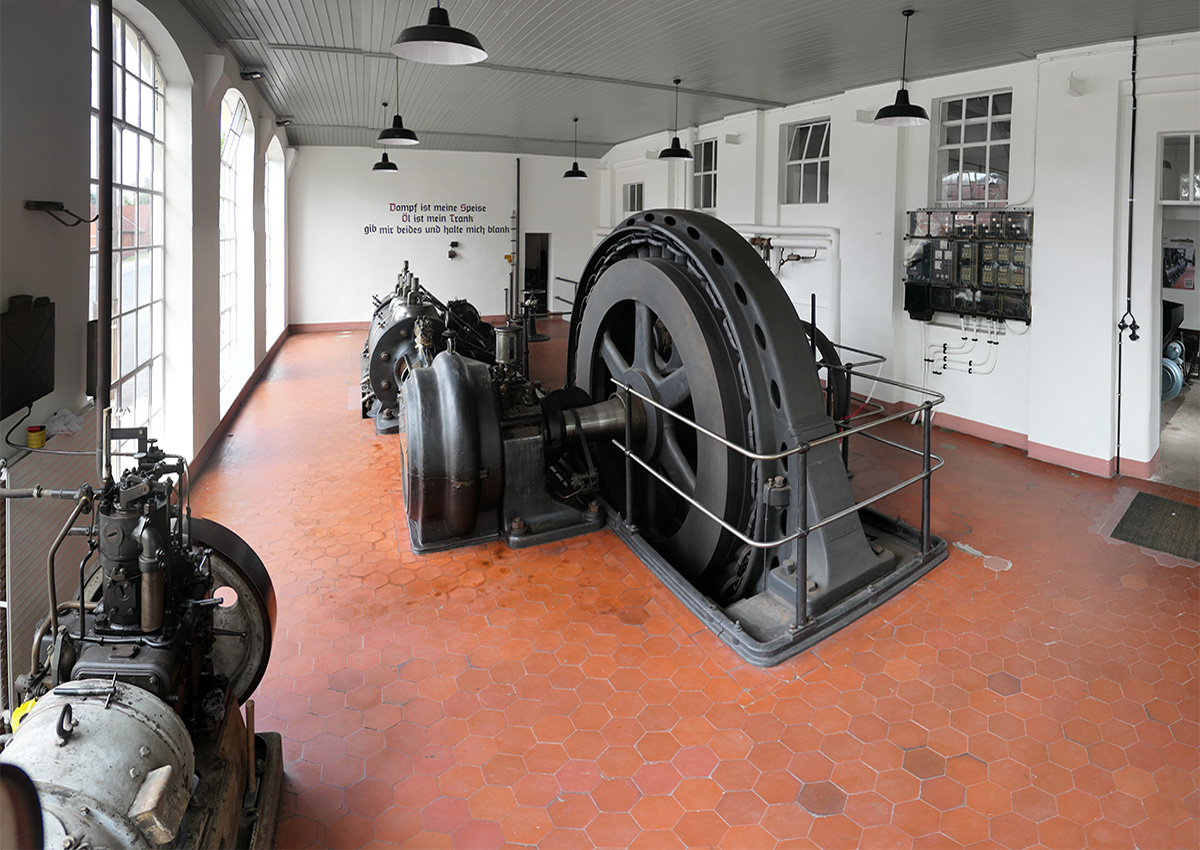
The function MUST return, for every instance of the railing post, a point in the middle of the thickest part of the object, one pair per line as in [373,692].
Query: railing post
[801,555]
[846,421]
[926,428]
[629,462]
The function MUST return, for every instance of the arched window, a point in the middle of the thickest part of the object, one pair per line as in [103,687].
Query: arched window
[138,206]
[237,247]
[274,224]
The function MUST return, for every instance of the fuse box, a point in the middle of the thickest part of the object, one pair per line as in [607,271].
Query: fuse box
[970,262]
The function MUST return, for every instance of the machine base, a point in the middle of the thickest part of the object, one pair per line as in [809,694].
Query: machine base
[759,628]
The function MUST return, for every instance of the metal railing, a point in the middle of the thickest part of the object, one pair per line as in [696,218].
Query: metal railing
[799,538]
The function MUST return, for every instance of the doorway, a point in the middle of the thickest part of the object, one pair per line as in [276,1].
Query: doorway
[537,268]
[1179,224]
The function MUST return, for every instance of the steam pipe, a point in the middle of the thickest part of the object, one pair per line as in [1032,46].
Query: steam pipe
[80,504]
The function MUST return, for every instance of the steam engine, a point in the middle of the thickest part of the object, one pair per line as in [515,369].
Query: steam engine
[406,332]
[130,729]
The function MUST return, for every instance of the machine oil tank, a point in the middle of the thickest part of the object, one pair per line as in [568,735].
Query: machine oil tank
[112,764]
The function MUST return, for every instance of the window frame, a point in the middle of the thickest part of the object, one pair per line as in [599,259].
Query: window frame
[947,152]
[704,179]
[138,311]
[808,162]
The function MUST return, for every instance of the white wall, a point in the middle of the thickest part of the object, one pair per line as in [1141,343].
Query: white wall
[1049,387]
[334,198]
[44,113]
[44,155]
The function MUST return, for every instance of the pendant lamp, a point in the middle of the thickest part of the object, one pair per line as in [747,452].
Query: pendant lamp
[438,43]
[676,150]
[902,113]
[397,134]
[575,172]
[384,164]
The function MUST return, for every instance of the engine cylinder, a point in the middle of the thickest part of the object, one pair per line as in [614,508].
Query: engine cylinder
[120,547]
[111,772]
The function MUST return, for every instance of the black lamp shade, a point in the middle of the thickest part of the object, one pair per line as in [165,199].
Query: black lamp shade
[575,172]
[902,113]
[438,43]
[397,134]
[384,165]
[675,151]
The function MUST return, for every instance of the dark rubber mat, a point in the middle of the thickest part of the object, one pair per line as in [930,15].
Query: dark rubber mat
[1162,525]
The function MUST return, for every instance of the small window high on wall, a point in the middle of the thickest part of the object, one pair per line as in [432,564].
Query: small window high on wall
[704,177]
[806,163]
[236,296]
[631,194]
[138,223]
[973,145]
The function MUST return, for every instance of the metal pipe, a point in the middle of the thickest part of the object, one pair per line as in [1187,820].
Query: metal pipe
[858,429]
[104,238]
[629,466]
[926,478]
[37,492]
[80,504]
[802,541]
[853,509]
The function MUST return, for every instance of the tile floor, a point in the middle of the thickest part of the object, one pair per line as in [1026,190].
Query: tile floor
[1039,688]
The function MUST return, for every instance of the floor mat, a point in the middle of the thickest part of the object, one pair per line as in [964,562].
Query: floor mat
[1161,524]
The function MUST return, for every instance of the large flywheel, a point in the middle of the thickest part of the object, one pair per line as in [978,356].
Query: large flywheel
[649,327]
[679,306]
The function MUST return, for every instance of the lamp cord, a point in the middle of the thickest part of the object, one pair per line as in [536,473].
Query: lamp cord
[908,13]
[676,130]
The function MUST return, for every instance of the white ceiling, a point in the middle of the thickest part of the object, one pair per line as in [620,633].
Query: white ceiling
[328,65]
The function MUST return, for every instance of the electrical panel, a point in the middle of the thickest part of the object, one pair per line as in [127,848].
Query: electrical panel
[970,262]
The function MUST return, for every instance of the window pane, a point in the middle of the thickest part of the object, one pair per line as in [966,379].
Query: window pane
[1001,129]
[93,275]
[146,122]
[977,107]
[128,344]
[697,196]
[156,221]
[147,63]
[710,190]
[116,351]
[974,174]
[815,139]
[824,192]
[132,53]
[159,166]
[145,163]
[159,107]
[144,335]
[129,160]
[953,135]
[975,132]
[157,266]
[95,27]
[95,156]
[799,139]
[952,110]
[156,323]
[118,90]
[133,91]
[792,192]
[948,175]
[825,147]
[144,278]
[998,187]
[713,163]
[95,75]
[128,286]
[141,406]
[809,193]
[156,388]
[1002,103]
